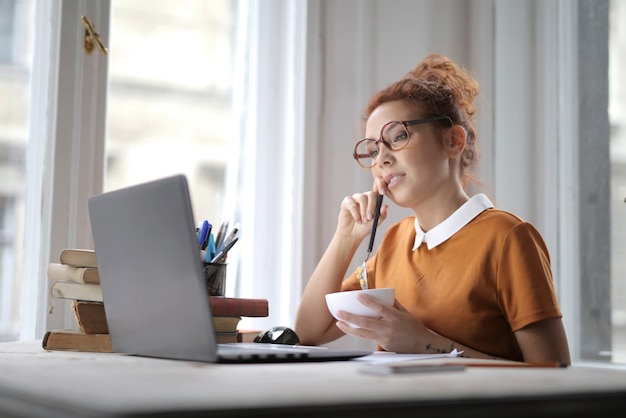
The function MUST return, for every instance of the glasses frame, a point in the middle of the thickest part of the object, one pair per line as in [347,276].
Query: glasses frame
[406,124]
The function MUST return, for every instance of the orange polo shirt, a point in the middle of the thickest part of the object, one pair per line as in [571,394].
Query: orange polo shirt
[488,279]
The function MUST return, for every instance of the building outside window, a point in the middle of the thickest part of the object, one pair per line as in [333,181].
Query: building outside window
[169,111]
[170,102]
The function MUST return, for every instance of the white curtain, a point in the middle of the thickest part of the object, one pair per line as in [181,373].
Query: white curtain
[265,193]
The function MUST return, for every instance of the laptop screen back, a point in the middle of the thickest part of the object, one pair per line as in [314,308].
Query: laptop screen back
[154,293]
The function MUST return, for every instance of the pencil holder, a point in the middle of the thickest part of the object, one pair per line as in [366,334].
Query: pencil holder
[215,274]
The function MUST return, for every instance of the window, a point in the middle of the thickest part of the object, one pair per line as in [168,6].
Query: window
[71,97]
[7,30]
[593,204]
[170,105]
[617,119]
[16,26]
[9,286]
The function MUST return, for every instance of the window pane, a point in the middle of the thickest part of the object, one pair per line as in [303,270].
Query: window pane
[617,116]
[16,26]
[7,23]
[169,107]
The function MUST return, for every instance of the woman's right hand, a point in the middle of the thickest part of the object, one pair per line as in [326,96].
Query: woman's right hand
[357,215]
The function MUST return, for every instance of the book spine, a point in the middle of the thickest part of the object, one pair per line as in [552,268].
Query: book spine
[63,272]
[225,306]
[78,291]
[226,323]
[226,337]
[76,341]
[247,336]
[78,258]
[90,317]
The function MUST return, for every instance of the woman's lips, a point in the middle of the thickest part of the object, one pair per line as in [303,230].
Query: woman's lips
[392,179]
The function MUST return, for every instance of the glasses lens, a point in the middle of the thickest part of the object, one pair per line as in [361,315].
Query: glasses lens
[396,135]
[366,152]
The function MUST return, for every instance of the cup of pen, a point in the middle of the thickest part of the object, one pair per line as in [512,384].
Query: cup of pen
[215,274]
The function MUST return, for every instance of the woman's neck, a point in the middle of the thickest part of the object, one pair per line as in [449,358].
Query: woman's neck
[434,210]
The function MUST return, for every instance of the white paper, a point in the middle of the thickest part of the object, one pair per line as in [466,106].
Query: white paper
[385,357]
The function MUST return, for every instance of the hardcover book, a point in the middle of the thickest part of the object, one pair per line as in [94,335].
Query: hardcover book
[78,257]
[78,291]
[247,335]
[74,340]
[91,319]
[227,306]
[64,272]
[220,305]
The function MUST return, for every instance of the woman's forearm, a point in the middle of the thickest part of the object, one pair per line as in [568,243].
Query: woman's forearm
[314,324]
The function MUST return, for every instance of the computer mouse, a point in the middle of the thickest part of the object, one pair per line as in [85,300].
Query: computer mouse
[278,335]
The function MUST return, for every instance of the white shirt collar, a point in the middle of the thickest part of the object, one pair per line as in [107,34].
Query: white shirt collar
[450,226]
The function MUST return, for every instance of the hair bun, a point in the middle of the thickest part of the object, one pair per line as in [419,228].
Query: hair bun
[441,71]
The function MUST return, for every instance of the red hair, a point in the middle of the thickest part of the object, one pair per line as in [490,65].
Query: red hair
[441,88]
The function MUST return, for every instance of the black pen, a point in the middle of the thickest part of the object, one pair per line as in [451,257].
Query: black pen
[379,204]
[222,253]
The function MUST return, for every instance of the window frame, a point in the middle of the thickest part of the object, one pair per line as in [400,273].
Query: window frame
[594,178]
[65,157]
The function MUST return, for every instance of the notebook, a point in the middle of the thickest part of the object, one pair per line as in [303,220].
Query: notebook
[154,292]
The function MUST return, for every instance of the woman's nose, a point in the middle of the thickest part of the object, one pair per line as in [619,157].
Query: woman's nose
[385,155]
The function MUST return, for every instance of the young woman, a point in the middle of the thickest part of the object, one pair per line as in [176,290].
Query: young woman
[466,275]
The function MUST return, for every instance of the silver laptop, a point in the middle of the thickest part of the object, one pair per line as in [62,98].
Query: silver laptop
[155,296]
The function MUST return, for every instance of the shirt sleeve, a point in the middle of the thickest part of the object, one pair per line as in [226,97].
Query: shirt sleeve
[525,286]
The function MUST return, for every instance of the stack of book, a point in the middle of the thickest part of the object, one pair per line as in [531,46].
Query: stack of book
[76,278]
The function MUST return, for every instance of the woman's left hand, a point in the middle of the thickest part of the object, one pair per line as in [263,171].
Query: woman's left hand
[395,329]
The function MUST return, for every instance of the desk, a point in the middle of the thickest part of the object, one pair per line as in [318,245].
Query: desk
[34,382]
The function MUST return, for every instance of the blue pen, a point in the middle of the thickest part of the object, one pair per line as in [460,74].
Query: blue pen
[203,236]
[210,252]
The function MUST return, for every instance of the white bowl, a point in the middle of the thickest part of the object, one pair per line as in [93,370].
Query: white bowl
[346,301]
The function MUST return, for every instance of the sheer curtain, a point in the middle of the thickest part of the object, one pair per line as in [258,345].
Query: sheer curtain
[264,188]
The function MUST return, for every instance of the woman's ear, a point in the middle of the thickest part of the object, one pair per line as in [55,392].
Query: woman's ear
[456,141]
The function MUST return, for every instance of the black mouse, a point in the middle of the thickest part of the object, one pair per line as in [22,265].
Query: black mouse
[278,335]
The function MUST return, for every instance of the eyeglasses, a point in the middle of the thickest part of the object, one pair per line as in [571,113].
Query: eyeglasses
[395,135]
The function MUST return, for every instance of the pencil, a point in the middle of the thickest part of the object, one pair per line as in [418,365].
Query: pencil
[221,234]
[554,364]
